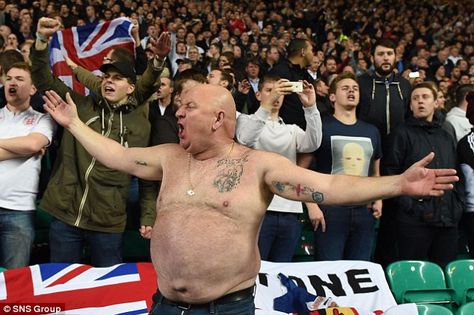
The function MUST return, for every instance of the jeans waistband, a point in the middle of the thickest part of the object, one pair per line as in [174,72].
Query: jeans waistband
[226,299]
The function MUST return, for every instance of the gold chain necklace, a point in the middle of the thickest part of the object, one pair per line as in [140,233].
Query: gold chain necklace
[190,192]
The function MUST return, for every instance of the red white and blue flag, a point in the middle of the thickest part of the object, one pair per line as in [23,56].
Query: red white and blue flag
[87,46]
[124,289]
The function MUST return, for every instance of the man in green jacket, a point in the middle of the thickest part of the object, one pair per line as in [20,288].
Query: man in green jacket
[87,199]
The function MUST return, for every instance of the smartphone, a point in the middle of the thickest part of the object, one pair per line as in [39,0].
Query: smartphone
[413,75]
[297,86]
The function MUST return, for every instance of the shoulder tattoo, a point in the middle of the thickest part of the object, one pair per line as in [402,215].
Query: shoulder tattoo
[299,190]
[229,173]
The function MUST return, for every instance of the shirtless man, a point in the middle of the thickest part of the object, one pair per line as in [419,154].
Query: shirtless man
[214,195]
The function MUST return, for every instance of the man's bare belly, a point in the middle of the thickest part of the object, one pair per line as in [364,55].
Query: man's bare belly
[201,254]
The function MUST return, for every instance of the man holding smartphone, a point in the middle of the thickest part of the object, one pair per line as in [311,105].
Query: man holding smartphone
[266,130]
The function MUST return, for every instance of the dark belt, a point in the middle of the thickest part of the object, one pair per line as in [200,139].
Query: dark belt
[226,299]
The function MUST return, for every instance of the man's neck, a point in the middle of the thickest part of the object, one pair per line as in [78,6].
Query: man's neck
[296,61]
[119,103]
[346,116]
[18,108]
[385,76]
[164,102]
[274,115]
[216,150]
[463,106]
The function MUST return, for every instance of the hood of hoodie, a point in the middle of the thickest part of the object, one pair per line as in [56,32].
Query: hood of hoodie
[438,121]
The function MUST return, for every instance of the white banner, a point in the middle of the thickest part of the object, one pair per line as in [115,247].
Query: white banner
[357,284]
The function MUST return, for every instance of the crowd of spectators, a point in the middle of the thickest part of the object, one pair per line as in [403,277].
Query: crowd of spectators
[428,33]
[244,40]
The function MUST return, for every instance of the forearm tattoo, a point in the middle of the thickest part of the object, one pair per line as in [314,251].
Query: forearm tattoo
[229,174]
[316,196]
[141,163]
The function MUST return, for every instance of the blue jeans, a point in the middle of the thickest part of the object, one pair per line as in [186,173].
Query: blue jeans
[243,307]
[17,234]
[279,235]
[67,244]
[350,233]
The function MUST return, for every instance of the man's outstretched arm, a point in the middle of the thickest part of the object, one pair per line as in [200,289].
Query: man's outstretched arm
[289,181]
[141,162]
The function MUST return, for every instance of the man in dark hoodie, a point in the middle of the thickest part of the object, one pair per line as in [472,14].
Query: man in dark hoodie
[426,228]
[384,102]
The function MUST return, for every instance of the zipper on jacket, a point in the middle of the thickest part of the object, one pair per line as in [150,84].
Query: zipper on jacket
[387,105]
[89,170]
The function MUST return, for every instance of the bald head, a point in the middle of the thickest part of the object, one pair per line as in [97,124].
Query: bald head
[221,103]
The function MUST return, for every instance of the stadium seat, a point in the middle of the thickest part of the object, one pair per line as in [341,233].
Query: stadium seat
[419,282]
[431,309]
[466,309]
[2,269]
[460,277]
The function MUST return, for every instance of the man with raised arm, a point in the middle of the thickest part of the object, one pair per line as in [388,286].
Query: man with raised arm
[86,199]
[204,242]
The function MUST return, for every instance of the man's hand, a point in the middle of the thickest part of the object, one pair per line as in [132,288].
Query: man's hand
[145,231]
[421,181]
[162,46]
[280,88]
[64,113]
[308,96]
[70,63]
[376,207]
[316,216]
[47,27]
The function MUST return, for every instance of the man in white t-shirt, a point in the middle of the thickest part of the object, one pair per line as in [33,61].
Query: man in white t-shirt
[266,130]
[24,132]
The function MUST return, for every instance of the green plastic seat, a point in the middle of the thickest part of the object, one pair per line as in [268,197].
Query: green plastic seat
[432,309]
[2,269]
[466,309]
[421,282]
[460,277]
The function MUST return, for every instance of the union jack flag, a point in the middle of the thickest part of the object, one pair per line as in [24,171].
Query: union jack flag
[87,46]
[124,289]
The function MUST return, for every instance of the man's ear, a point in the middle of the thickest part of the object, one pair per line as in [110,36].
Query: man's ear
[130,89]
[258,95]
[33,90]
[219,120]
[224,83]
[332,97]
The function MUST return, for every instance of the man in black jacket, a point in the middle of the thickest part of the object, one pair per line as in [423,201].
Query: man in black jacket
[384,102]
[426,228]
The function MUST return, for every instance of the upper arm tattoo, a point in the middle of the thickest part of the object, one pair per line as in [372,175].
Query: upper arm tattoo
[299,190]
[141,163]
